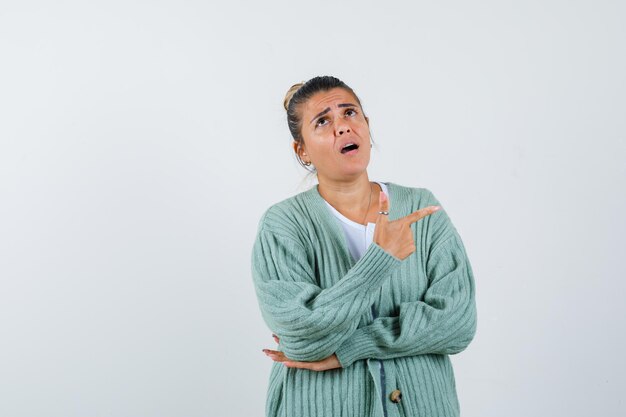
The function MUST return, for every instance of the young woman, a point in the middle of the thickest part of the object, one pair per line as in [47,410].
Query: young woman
[365,285]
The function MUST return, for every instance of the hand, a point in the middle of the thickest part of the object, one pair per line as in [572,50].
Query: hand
[395,237]
[330,362]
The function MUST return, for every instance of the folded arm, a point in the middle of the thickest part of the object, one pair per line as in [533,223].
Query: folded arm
[312,322]
[443,322]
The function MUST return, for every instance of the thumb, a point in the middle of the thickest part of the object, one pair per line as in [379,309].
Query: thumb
[383,205]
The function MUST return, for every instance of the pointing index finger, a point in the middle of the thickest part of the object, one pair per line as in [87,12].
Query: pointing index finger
[421,213]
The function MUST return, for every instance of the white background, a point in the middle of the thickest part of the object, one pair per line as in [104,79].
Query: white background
[140,142]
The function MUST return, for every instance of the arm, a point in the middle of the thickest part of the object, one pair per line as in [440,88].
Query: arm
[443,322]
[312,322]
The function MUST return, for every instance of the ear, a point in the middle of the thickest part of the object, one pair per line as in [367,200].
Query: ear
[298,149]
[367,119]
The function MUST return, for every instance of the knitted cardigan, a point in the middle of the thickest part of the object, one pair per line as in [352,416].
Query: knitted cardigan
[319,301]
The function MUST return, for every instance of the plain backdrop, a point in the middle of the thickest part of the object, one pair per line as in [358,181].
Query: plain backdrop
[140,142]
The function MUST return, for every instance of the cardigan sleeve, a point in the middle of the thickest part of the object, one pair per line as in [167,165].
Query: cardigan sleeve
[312,322]
[443,321]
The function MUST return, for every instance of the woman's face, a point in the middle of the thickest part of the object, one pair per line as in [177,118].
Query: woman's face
[331,120]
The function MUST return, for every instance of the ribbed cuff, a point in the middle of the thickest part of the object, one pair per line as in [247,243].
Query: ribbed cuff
[358,346]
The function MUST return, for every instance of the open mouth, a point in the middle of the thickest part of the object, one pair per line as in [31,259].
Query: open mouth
[349,147]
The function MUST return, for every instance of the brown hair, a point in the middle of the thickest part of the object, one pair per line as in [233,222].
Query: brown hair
[299,94]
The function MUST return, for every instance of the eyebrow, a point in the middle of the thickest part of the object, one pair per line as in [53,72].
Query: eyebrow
[327,109]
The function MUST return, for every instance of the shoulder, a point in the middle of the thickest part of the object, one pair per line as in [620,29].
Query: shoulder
[418,197]
[287,216]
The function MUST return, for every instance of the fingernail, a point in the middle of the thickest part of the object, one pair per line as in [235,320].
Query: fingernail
[436,208]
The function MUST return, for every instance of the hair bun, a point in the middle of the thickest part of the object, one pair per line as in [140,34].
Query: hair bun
[290,94]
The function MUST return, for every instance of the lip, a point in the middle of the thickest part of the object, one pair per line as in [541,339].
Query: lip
[345,142]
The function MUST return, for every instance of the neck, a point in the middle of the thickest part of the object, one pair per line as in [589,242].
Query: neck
[348,196]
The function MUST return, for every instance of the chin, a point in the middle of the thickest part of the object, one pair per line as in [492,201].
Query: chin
[355,173]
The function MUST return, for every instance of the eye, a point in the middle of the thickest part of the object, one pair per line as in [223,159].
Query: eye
[350,112]
[321,122]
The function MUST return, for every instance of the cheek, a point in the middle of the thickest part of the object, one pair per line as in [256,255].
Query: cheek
[321,139]
[361,131]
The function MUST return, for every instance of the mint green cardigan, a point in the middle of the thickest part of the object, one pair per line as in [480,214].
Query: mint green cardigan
[319,301]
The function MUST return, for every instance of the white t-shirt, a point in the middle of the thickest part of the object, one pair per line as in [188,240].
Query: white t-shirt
[358,236]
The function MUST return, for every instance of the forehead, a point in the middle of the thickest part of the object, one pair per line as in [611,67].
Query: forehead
[331,98]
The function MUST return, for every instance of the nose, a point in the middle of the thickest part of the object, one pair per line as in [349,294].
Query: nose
[342,128]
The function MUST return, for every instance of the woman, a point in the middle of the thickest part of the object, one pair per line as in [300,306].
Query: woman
[365,285]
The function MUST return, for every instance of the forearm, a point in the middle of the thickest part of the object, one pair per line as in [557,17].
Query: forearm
[392,337]
[443,322]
